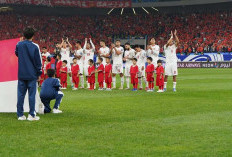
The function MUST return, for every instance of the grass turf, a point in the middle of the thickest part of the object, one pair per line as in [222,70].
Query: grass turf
[195,121]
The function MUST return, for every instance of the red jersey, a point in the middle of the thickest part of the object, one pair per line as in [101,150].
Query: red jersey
[150,68]
[108,68]
[101,73]
[48,66]
[58,66]
[159,70]
[91,69]
[134,69]
[75,69]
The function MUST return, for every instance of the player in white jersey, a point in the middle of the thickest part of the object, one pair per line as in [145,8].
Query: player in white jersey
[171,60]
[104,52]
[88,50]
[117,55]
[128,57]
[65,50]
[153,51]
[141,57]
[79,54]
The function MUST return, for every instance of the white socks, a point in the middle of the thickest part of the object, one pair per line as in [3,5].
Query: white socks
[114,81]
[104,84]
[122,81]
[174,84]
[82,81]
[145,80]
[88,85]
[128,82]
[140,83]
[71,81]
[165,84]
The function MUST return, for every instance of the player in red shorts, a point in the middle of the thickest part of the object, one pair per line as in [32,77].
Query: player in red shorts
[91,72]
[150,74]
[63,75]
[160,76]
[58,65]
[48,66]
[75,74]
[100,72]
[108,74]
[134,70]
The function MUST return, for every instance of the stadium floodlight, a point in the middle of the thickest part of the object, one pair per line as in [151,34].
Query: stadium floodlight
[122,11]
[145,10]
[110,11]
[134,10]
[155,9]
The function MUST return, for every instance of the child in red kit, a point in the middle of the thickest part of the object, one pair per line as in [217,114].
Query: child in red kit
[160,76]
[134,70]
[63,75]
[48,66]
[75,74]
[100,72]
[58,65]
[91,77]
[150,74]
[108,74]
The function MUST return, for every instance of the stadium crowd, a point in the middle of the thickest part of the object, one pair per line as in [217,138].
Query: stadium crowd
[208,32]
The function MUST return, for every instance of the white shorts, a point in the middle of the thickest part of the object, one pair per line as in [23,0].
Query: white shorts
[141,72]
[86,70]
[80,69]
[127,70]
[171,69]
[117,69]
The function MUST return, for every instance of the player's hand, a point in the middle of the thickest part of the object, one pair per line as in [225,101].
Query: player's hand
[112,45]
[171,34]
[175,32]
[21,39]
[86,39]
[142,68]
[39,78]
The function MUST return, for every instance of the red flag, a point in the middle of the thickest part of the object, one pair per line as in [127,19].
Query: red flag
[8,60]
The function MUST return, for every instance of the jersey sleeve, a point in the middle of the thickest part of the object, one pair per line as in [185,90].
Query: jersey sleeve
[38,61]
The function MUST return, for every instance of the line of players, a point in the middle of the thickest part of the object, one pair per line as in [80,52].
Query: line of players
[84,59]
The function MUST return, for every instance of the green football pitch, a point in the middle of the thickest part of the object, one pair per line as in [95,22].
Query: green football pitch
[194,121]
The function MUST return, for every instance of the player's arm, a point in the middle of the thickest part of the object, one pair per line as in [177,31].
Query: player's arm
[176,38]
[70,45]
[93,47]
[84,48]
[62,43]
[170,40]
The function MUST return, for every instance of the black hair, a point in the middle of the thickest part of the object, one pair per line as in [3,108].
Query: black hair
[74,58]
[29,32]
[149,58]
[59,55]
[134,59]
[127,44]
[44,47]
[65,61]
[100,59]
[78,42]
[51,72]
[118,40]
[90,60]
[137,46]
[102,41]
[159,61]
[49,59]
